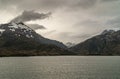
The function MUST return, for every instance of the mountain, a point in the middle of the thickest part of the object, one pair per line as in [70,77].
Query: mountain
[69,44]
[17,39]
[107,43]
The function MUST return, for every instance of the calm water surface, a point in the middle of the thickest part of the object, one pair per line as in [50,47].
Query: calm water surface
[60,67]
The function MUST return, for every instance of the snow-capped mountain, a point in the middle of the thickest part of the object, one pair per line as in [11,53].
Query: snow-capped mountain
[17,39]
[16,30]
[107,43]
[108,32]
[22,30]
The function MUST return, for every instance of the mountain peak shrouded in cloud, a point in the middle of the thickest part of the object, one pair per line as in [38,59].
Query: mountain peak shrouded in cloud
[30,16]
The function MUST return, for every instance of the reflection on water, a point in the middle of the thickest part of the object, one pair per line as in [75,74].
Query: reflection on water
[60,67]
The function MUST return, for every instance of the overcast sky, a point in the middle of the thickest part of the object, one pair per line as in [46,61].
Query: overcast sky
[64,20]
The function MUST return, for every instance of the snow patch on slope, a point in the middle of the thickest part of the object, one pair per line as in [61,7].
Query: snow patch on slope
[108,31]
[19,26]
[1,31]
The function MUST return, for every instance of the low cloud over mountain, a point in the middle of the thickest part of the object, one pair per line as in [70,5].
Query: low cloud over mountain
[30,16]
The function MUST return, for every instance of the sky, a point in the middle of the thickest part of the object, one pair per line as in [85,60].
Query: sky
[63,20]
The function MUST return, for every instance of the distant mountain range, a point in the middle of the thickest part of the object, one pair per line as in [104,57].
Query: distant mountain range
[107,43]
[69,44]
[17,39]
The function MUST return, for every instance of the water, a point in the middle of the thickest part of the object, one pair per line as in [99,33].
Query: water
[60,67]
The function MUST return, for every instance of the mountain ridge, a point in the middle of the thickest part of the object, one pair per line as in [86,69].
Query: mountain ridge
[18,39]
[107,43]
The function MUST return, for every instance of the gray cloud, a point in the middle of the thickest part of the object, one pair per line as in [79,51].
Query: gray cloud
[87,23]
[114,23]
[33,4]
[108,0]
[73,37]
[36,26]
[83,36]
[49,32]
[85,4]
[47,4]
[88,17]
[30,16]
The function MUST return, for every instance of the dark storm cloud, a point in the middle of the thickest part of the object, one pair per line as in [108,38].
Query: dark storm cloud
[36,26]
[30,16]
